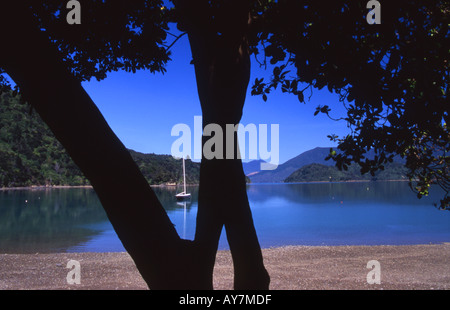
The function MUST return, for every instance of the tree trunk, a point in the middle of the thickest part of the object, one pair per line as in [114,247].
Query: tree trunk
[164,260]
[222,68]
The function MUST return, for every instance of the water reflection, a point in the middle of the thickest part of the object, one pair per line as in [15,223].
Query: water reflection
[383,192]
[364,213]
[47,220]
[66,220]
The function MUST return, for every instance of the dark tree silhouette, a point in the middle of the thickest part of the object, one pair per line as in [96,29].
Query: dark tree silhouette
[222,67]
[388,76]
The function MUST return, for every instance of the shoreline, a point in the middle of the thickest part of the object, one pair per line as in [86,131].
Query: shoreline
[42,187]
[45,187]
[403,267]
[347,181]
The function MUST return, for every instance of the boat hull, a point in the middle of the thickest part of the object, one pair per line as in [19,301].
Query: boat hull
[183,196]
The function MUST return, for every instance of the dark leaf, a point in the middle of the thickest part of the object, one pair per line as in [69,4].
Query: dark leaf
[300,96]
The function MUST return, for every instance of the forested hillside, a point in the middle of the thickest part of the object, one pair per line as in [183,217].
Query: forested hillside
[30,154]
[159,169]
[321,173]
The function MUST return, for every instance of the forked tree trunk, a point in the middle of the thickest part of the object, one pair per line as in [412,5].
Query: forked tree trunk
[222,68]
[164,260]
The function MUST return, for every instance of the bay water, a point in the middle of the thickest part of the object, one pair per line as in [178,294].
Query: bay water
[359,213]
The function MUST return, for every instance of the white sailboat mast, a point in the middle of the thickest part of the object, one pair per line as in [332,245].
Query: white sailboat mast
[184,177]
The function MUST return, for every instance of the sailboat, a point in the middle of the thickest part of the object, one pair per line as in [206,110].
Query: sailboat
[183,195]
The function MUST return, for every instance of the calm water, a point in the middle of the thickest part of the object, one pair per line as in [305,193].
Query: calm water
[72,220]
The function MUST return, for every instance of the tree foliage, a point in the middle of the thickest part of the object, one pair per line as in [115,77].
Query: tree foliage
[113,35]
[392,78]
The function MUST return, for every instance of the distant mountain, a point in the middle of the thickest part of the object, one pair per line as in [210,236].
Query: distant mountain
[252,167]
[318,173]
[322,173]
[314,156]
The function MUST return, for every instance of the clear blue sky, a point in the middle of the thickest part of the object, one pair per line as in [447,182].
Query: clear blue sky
[143,107]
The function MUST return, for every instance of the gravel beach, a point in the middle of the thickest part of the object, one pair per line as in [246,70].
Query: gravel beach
[424,267]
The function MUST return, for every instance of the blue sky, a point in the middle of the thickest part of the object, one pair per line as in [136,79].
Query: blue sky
[143,107]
